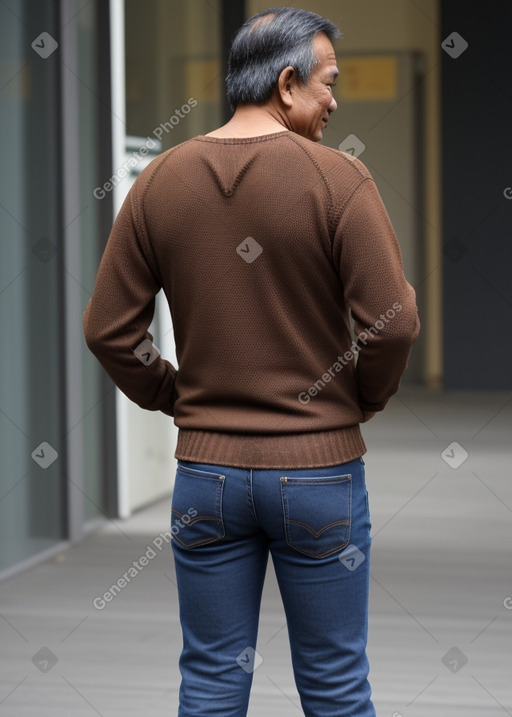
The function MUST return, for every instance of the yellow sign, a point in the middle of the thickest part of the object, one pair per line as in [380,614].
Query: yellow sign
[367,78]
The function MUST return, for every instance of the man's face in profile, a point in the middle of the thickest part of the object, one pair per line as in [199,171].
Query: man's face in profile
[313,103]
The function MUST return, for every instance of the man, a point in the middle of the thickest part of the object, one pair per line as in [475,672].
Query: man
[264,242]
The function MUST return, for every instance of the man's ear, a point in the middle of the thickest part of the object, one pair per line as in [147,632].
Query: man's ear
[285,85]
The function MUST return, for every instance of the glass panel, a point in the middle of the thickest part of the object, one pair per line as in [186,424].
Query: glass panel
[173,69]
[31,440]
[91,424]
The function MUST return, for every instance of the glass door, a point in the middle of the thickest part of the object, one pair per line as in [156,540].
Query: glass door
[32,446]
[166,88]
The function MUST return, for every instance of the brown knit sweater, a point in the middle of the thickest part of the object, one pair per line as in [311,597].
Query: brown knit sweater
[263,246]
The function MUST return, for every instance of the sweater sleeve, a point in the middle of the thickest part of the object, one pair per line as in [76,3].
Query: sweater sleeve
[118,315]
[382,302]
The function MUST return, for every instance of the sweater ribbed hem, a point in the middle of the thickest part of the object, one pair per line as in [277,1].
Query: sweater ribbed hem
[295,450]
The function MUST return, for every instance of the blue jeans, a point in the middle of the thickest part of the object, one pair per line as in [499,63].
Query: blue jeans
[315,523]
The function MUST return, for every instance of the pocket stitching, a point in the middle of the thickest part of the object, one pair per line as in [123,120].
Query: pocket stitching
[203,474]
[346,478]
[317,533]
[207,475]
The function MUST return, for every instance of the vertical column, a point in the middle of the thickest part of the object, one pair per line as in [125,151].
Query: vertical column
[72,334]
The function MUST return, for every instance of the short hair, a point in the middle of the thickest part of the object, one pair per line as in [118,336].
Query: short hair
[267,43]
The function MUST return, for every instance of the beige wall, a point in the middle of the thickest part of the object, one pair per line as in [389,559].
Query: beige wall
[373,26]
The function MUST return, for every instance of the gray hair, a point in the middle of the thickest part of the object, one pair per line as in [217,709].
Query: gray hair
[267,43]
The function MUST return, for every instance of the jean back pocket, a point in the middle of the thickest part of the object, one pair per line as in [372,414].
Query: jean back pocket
[196,510]
[317,513]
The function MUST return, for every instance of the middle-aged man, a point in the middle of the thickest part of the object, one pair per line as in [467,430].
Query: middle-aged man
[264,242]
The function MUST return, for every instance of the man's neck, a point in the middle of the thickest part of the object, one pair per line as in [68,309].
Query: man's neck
[251,121]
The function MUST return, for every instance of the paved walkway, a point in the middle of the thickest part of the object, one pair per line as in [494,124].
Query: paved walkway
[440,640]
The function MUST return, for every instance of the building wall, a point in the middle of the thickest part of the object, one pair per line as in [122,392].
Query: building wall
[477,199]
